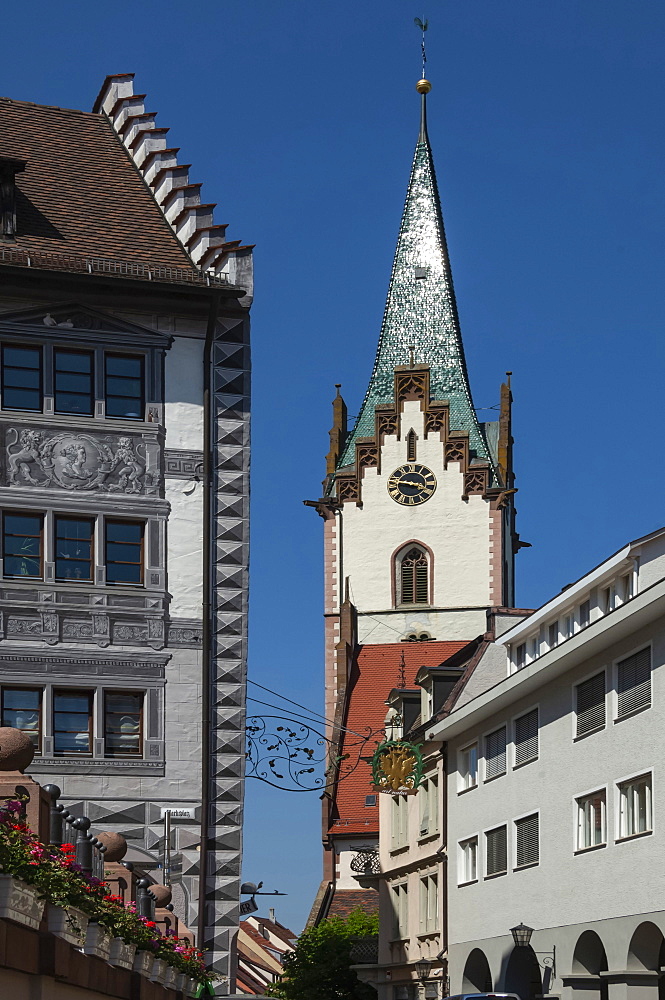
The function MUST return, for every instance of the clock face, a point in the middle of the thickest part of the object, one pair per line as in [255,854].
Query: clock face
[411,484]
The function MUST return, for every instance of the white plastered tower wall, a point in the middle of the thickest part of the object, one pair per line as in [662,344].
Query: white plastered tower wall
[456,531]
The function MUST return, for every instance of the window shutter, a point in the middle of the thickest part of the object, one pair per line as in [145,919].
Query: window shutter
[421,582]
[526,737]
[407,582]
[495,753]
[424,808]
[634,683]
[497,851]
[591,704]
[526,831]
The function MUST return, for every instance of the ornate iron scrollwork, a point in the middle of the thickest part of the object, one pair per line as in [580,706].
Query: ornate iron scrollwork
[366,863]
[295,757]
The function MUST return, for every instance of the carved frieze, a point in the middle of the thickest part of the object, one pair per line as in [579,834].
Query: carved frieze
[411,385]
[182,464]
[347,489]
[80,461]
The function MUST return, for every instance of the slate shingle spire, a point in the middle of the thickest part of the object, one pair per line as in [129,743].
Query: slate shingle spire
[421,310]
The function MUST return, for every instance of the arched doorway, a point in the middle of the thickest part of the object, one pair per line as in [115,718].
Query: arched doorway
[477,976]
[645,954]
[523,974]
[644,948]
[590,959]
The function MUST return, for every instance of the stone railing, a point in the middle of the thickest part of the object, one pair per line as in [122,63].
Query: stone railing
[57,942]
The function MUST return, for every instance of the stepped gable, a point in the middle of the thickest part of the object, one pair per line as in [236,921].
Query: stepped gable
[374,675]
[178,199]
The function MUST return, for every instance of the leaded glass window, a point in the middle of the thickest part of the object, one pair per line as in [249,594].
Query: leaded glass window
[122,723]
[22,545]
[124,552]
[73,548]
[73,376]
[21,378]
[72,722]
[124,386]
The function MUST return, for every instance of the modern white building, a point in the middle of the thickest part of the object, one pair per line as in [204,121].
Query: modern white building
[555,772]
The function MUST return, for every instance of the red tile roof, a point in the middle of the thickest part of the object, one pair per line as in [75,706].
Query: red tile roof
[80,192]
[375,673]
[345,901]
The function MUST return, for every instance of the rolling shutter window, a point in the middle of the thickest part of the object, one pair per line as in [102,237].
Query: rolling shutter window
[497,850]
[495,753]
[526,839]
[526,737]
[634,683]
[591,704]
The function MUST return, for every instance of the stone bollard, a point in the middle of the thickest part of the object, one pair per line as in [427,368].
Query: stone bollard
[16,753]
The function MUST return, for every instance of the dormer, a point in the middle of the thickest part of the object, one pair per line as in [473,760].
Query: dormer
[403,712]
[9,168]
[435,684]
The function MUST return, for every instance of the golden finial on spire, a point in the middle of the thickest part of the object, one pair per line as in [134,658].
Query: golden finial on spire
[423,86]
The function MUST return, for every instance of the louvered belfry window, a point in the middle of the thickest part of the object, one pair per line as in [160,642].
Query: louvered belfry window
[526,841]
[634,683]
[496,845]
[526,737]
[591,704]
[414,573]
[495,753]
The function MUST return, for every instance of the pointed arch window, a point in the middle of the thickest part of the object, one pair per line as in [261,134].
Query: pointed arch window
[412,574]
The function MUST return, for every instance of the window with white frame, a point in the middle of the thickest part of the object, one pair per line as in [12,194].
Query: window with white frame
[526,737]
[553,634]
[590,705]
[635,806]
[584,613]
[468,860]
[520,656]
[634,683]
[567,623]
[591,820]
[527,848]
[533,647]
[400,897]
[626,587]
[496,851]
[495,753]
[399,822]
[429,904]
[428,795]
[468,766]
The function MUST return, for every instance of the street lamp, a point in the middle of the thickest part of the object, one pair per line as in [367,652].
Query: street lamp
[521,935]
[423,969]
[546,959]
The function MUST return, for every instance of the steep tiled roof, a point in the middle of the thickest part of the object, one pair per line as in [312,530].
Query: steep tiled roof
[345,901]
[80,193]
[374,675]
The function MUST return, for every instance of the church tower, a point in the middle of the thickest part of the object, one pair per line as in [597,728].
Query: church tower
[418,517]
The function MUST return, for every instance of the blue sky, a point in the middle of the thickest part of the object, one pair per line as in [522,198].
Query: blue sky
[300,118]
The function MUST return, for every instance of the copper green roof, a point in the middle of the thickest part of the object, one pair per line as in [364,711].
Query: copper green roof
[421,311]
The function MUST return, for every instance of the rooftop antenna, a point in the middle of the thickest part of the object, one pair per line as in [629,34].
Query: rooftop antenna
[423,25]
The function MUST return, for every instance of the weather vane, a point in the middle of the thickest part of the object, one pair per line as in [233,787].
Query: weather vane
[423,27]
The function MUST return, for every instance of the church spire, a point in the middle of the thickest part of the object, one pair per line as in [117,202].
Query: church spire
[420,309]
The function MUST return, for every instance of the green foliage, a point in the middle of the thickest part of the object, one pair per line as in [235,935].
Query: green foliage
[320,966]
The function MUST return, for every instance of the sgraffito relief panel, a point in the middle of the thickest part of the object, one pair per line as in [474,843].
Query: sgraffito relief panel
[81,461]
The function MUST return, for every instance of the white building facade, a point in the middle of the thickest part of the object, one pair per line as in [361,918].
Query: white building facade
[555,777]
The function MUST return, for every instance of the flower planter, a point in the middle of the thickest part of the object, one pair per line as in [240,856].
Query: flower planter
[98,941]
[191,986]
[71,924]
[170,977]
[158,971]
[180,981]
[20,902]
[143,963]
[122,954]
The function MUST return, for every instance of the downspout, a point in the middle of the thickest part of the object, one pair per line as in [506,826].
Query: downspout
[206,639]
